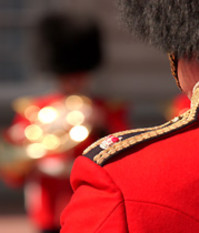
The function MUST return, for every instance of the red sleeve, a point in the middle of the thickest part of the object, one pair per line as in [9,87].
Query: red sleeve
[97,204]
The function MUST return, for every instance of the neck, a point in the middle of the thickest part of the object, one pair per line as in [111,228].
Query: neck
[188,73]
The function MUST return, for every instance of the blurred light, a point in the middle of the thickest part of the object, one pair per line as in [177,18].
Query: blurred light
[64,139]
[47,115]
[87,100]
[79,133]
[74,102]
[51,142]
[75,118]
[52,166]
[35,150]
[33,132]
[16,132]
[31,112]
[20,104]
[58,105]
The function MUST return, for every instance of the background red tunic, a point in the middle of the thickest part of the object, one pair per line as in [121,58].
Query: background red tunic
[45,195]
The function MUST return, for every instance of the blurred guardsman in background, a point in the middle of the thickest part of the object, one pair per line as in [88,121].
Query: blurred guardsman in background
[179,105]
[48,132]
[146,180]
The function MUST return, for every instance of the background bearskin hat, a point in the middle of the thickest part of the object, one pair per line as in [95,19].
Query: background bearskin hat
[67,43]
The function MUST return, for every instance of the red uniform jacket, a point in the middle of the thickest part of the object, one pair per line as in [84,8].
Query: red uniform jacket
[147,182]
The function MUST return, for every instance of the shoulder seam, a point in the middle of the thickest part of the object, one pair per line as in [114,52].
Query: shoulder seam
[101,225]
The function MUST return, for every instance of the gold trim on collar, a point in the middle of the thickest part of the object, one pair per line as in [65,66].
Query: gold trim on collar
[147,133]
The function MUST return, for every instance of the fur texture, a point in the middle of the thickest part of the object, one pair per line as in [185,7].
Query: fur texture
[170,25]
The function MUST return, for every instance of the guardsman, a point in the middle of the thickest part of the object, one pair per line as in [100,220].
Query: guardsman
[49,131]
[146,180]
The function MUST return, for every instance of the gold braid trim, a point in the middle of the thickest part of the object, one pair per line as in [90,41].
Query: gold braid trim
[155,132]
[97,143]
[174,68]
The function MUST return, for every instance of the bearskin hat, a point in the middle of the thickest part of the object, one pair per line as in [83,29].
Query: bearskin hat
[67,43]
[170,25]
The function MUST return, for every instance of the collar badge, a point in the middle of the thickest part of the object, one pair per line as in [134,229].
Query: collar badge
[110,140]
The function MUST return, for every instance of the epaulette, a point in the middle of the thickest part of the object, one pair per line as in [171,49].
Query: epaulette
[109,146]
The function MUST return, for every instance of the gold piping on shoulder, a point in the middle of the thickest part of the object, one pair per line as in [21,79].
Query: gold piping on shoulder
[147,133]
[98,142]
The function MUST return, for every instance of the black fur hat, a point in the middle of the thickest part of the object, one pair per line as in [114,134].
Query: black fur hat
[170,25]
[67,44]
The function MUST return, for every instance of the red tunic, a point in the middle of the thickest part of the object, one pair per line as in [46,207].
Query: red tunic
[152,187]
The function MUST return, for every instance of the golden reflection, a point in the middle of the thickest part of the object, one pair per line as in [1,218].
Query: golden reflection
[75,118]
[74,102]
[79,133]
[64,139]
[20,104]
[47,115]
[31,112]
[51,142]
[33,132]
[35,150]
